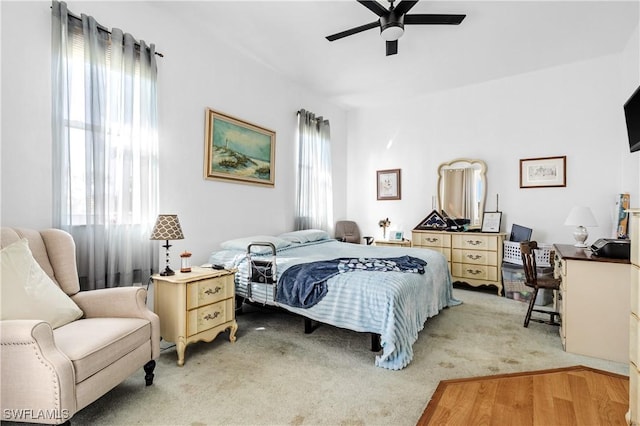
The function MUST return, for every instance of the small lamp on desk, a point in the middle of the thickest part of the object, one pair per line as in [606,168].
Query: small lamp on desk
[167,228]
[581,217]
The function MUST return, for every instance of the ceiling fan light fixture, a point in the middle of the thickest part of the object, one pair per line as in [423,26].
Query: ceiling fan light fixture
[392,32]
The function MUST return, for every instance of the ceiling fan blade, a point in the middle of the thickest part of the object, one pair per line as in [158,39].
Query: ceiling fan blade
[404,6]
[427,19]
[374,6]
[392,47]
[352,31]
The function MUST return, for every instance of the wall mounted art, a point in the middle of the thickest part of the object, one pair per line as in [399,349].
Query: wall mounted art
[543,172]
[388,184]
[236,150]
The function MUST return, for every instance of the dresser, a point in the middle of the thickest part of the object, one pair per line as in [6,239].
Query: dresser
[634,326]
[194,306]
[593,303]
[474,258]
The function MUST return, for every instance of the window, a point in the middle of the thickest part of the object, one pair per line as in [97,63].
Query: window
[105,148]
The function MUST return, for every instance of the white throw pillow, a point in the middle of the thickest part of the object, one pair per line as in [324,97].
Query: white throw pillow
[28,292]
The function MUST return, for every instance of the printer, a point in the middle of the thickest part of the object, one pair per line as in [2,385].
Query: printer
[612,248]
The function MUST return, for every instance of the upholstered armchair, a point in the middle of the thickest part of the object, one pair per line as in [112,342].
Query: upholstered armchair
[348,231]
[66,349]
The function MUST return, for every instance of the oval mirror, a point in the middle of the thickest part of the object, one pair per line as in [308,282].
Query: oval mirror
[462,191]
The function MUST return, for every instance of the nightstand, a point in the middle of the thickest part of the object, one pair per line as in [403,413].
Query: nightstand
[393,243]
[195,306]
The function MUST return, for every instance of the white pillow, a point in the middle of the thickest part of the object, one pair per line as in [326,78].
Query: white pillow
[305,236]
[243,243]
[28,292]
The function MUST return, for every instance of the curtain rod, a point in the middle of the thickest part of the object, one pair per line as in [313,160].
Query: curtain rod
[103,28]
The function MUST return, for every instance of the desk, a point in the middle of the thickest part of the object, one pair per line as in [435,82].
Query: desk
[594,303]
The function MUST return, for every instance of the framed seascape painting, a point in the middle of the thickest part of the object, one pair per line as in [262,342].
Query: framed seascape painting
[236,150]
[543,172]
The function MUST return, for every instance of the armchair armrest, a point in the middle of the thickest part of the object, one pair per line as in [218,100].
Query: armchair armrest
[120,302]
[37,378]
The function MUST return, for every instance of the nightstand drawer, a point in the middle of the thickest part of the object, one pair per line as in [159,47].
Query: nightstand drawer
[209,316]
[479,272]
[476,257]
[210,290]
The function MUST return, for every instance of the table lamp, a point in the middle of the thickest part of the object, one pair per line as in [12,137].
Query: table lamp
[167,228]
[581,217]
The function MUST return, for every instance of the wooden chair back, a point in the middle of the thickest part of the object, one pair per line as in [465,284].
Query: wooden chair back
[529,262]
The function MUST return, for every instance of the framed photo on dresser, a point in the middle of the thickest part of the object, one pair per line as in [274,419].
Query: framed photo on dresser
[491,221]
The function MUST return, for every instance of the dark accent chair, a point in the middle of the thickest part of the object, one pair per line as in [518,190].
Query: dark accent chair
[527,250]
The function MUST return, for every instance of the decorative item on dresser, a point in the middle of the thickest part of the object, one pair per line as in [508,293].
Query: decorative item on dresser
[593,303]
[195,306]
[475,258]
[634,321]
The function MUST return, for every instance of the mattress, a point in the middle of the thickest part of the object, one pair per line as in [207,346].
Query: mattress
[394,305]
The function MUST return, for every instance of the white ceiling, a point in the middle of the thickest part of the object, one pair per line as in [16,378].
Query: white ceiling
[496,39]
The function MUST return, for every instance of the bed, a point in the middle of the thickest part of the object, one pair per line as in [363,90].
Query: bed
[394,305]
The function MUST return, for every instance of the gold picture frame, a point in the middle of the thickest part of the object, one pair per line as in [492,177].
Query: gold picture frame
[238,151]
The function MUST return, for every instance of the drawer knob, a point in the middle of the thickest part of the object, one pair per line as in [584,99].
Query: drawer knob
[210,317]
[431,240]
[474,256]
[210,291]
[474,242]
[474,271]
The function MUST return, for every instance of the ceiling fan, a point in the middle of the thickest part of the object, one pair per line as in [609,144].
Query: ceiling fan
[393,20]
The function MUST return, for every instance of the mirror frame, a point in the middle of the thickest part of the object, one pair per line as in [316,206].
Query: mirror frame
[464,163]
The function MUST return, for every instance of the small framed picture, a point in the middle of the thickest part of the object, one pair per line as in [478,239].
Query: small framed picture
[388,184]
[491,221]
[396,236]
[543,172]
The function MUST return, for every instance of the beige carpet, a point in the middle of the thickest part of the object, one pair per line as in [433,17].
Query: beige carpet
[276,375]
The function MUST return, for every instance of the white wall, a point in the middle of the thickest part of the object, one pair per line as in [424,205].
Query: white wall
[573,110]
[196,72]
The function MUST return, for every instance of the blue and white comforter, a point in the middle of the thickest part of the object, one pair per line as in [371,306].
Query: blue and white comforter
[394,305]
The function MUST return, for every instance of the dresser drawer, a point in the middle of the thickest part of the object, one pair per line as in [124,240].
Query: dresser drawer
[476,242]
[634,395]
[634,224]
[476,257]
[635,290]
[205,292]
[431,239]
[478,272]
[634,340]
[209,316]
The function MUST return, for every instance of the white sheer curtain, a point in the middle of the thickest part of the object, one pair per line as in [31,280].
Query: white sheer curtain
[105,148]
[314,207]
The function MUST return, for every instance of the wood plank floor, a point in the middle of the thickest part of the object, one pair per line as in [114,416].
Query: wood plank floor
[567,396]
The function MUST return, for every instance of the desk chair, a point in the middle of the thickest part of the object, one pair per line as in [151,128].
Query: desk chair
[527,250]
